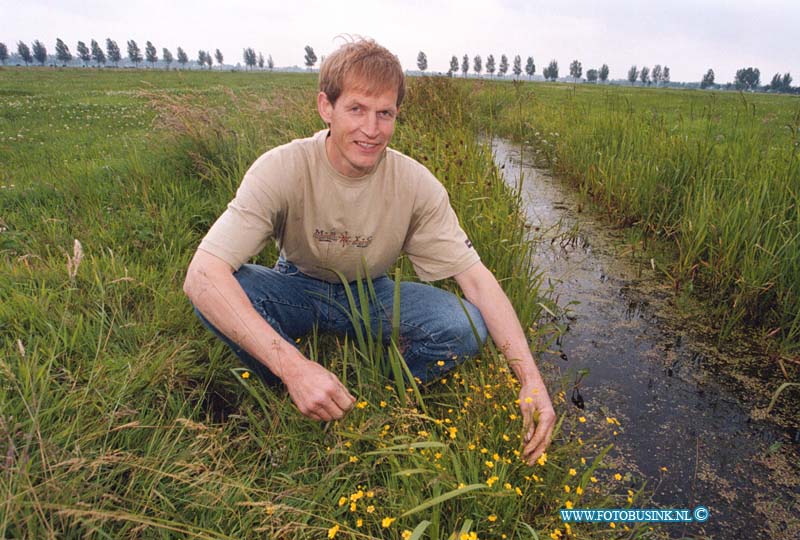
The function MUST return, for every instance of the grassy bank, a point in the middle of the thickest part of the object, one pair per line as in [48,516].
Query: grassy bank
[123,418]
[717,175]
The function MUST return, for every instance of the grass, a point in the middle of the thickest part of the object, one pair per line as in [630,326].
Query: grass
[715,175]
[123,418]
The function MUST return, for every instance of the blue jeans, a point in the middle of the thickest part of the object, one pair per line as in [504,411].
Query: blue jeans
[433,324]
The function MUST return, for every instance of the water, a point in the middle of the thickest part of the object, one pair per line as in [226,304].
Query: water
[654,366]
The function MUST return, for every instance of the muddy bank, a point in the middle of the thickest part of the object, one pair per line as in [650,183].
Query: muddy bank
[691,424]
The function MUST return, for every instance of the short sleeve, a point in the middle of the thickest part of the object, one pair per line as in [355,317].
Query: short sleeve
[436,244]
[251,219]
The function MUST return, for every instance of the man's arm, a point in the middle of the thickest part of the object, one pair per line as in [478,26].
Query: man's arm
[482,289]
[214,291]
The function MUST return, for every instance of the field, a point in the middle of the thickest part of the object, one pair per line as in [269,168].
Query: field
[716,175]
[121,417]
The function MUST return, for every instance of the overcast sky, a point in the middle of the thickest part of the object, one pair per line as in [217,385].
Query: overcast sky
[688,36]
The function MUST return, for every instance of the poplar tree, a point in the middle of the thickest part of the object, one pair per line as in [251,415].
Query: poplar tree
[310,57]
[62,52]
[260,61]
[3,53]
[665,74]
[249,57]
[183,58]
[490,65]
[134,53]
[84,53]
[517,66]
[656,74]
[97,53]
[453,65]
[218,55]
[166,56]
[603,72]
[270,63]
[633,74]
[708,79]
[530,67]
[465,65]
[39,52]
[150,53]
[24,52]
[422,61]
[477,64]
[644,75]
[113,51]
[503,66]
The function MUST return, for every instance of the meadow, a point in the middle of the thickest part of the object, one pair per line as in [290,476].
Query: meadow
[715,176]
[122,417]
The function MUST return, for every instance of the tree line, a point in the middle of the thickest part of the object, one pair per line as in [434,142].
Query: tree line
[111,54]
[748,78]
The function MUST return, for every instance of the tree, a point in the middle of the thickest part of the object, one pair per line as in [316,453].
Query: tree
[575,69]
[3,53]
[310,57]
[134,53]
[422,61]
[552,71]
[260,61]
[113,51]
[250,58]
[708,79]
[490,65]
[84,53]
[453,66]
[465,65]
[747,78]
[477,64]
[97,53]
[517,66]
[24,52]
[150,53]
[776,83]
[644,75]
[530,67]
[39,52]
[591,75]
[633,74]
[219,57]
[786,82]
[166,56]
[183,58]
[656,74]
[604,72]
[503,65]
[62,52]
[665,75]
[270,63]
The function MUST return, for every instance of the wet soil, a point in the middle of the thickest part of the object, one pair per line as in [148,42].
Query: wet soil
[684,403]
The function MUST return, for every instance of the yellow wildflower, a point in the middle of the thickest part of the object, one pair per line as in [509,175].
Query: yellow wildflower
[383,404]
[370,509]
[567,489]
[542,459]
[507,486]
[342,501]
[333,530]
[246,375]
[492,480]
[568,505]
[353,459]
[352,506]
[612,525]
[453,430]
[593,479]
[579,490]
[518,491]
[489,464]
[387,522]
[406,534]
[492,518]
[617,476]
[440,363]
[362,405]
[359,522]
[573,472]
[582,419]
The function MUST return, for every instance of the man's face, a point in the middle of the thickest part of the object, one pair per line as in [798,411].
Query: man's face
[361,124]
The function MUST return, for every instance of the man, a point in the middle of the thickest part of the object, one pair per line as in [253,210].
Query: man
[332,201]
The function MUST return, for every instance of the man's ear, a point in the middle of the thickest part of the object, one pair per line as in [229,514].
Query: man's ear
[325,108]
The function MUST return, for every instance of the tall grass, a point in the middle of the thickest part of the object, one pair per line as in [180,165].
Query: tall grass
[121,417]
[715,174]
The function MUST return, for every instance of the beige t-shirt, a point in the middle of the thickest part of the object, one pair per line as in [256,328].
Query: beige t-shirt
[322,219]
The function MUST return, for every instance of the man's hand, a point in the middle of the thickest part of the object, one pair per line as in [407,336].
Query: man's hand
[538,419]
[317,392]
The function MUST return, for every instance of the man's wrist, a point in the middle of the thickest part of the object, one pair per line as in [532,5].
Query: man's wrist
[526,371]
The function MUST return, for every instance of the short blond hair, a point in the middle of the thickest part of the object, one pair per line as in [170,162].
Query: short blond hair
[365,64]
